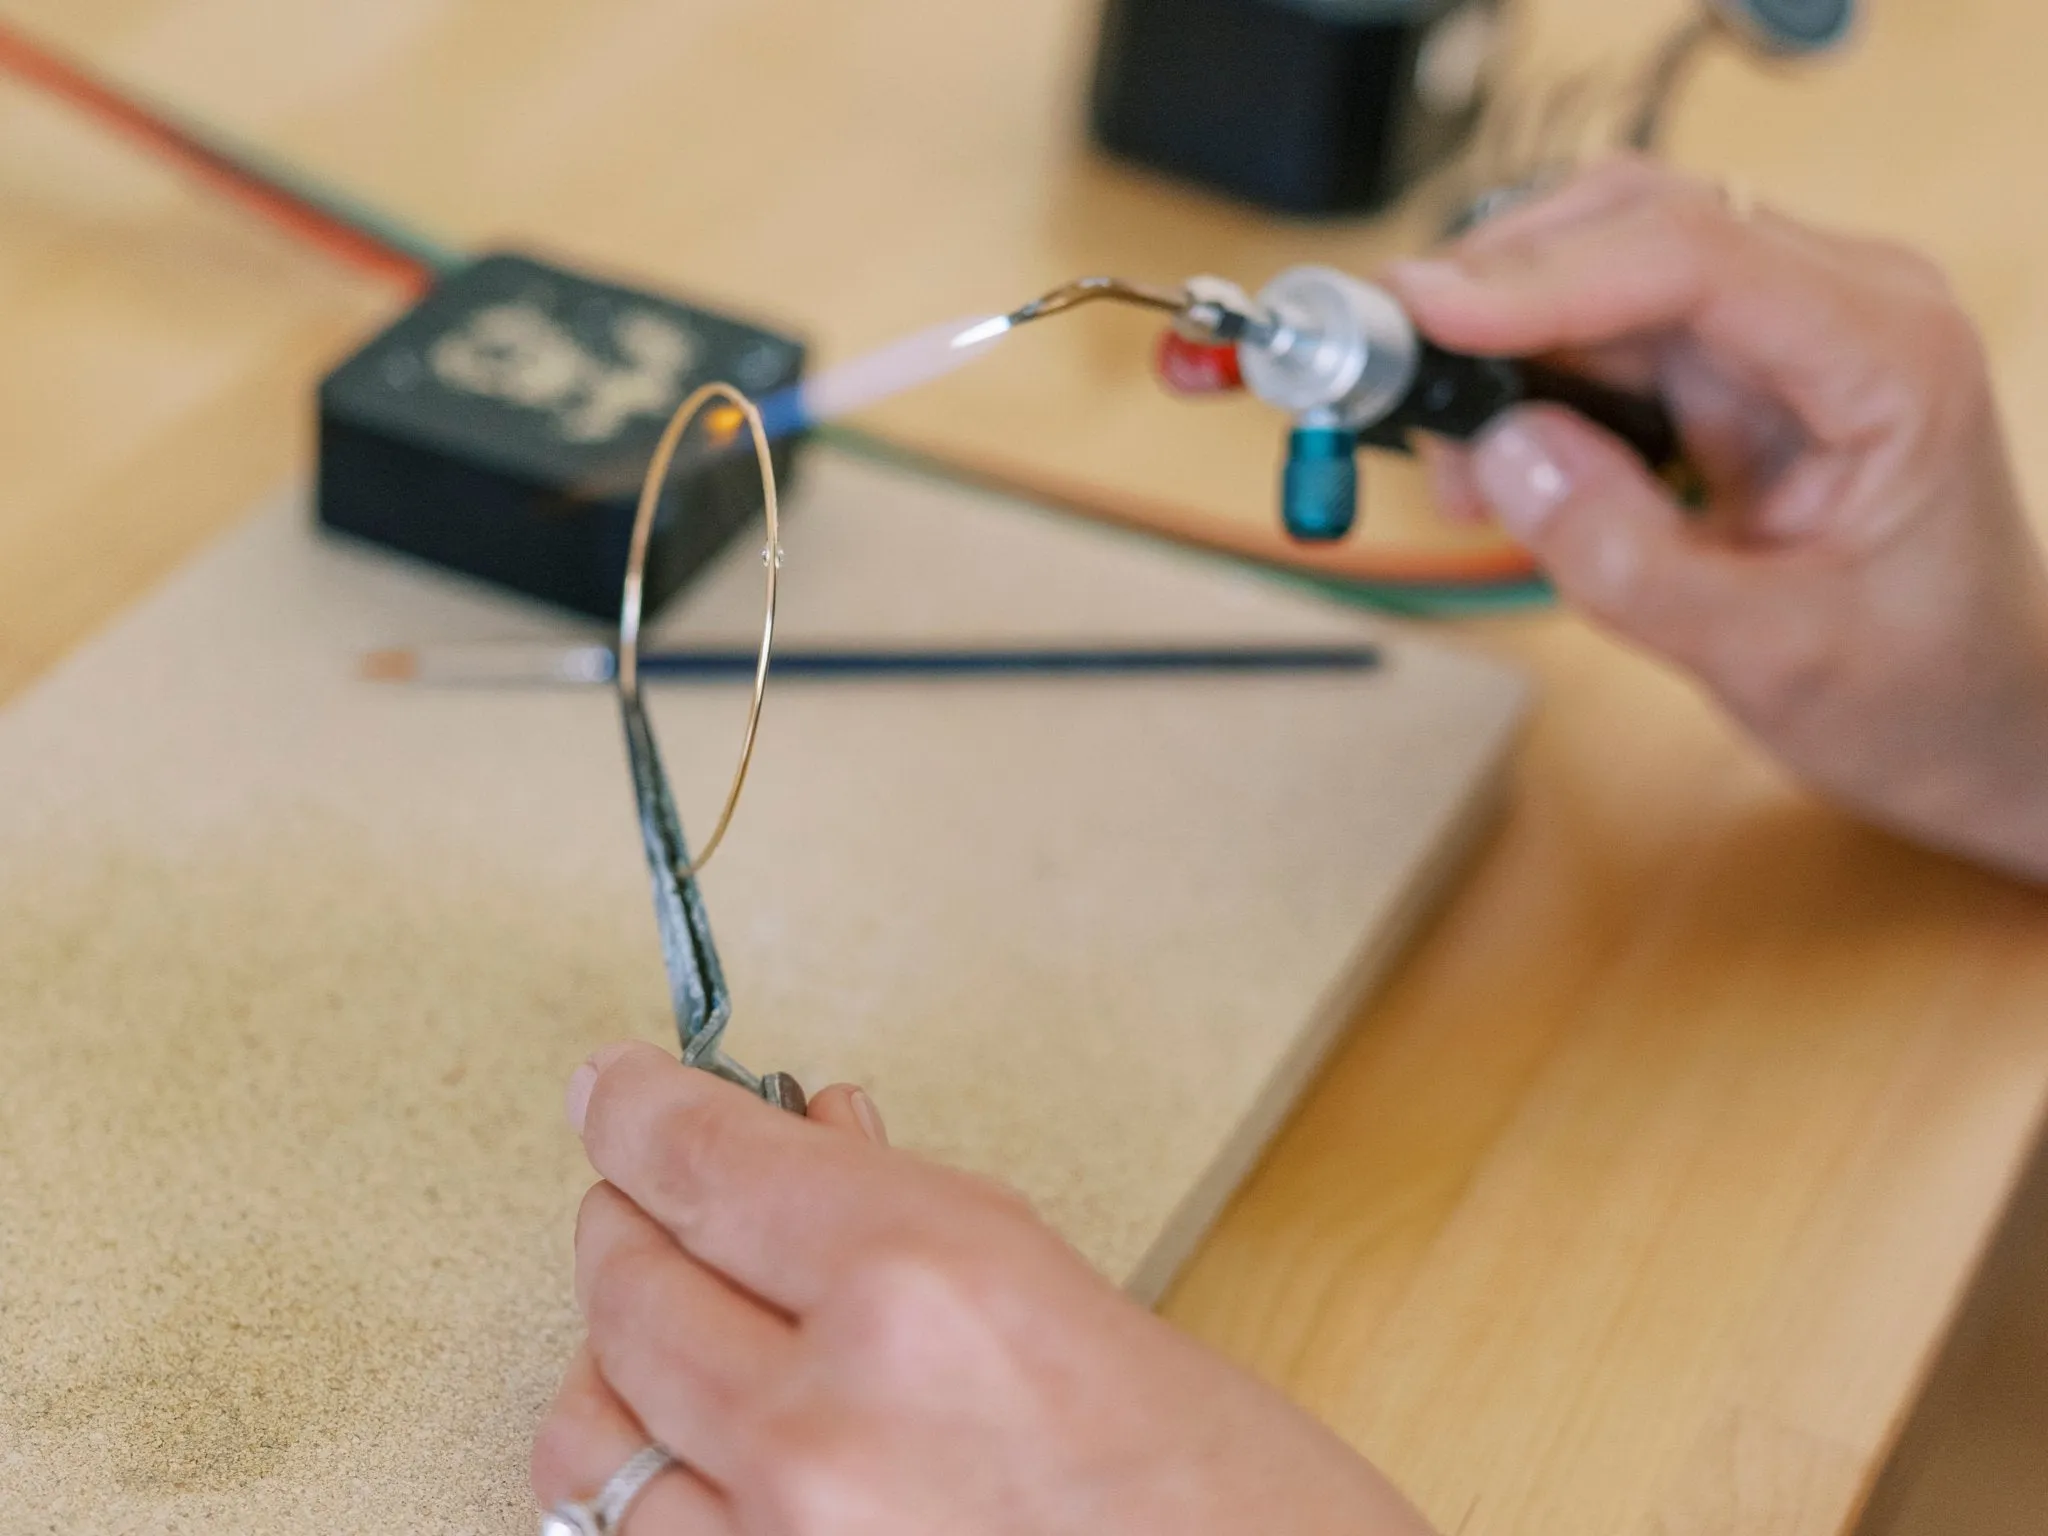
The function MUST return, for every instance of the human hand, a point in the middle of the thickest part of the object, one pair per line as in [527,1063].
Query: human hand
[1863,592]
[837,1339]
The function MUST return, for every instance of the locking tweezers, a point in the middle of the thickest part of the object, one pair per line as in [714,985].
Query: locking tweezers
[696,980]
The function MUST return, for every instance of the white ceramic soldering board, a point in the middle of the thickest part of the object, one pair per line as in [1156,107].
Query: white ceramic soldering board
[293,966]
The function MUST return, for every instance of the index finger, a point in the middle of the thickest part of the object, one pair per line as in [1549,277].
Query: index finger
[1783,307]
[777,1204]
[1599,189]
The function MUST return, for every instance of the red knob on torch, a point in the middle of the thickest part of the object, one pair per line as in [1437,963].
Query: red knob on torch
[1188,367]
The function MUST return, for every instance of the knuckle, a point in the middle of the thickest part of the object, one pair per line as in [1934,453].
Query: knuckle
[1679,238]
[621,1297]
[1695,221]
[1770,675]
[1947,376]
[552,1467]
[903,1282]
[951,1294]
[817,1468]
[1955,346]
[681,1147]
[1914,271]
[1937,315]
[1602,563]
[1914,293]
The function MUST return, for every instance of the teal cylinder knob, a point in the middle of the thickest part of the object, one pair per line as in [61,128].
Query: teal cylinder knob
[1319,490]
[1790,26]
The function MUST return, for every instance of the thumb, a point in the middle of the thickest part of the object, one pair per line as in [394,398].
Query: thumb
[847,1108]
[1609,535]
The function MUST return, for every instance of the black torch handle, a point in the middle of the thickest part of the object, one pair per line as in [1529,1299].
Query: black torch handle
[1641,421]
[1456,396]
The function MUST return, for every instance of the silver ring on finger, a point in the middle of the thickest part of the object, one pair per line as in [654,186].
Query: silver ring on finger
[602,1515]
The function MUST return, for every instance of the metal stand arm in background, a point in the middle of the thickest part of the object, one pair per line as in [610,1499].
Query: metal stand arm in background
[1538,133]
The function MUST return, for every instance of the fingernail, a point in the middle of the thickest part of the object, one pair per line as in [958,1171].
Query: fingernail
[577,1103]
[870,1118]
[1521,480]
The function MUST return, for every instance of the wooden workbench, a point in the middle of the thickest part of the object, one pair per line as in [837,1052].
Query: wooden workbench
[1644,1201]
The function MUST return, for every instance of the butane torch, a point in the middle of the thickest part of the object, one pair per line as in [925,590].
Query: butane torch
[1341,357]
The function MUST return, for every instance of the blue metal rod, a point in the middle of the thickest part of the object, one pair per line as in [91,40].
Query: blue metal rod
[790,665]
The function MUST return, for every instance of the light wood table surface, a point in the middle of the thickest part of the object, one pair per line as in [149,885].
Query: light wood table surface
[1642,1202]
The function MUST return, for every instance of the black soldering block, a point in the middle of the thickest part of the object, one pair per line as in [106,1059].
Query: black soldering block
[503,426]
[1315,107]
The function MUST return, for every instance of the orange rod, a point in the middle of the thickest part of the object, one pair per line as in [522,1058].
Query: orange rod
[36,66]
[1355,561]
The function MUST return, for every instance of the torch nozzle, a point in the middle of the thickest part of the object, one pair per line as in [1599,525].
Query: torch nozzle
[1087,290]
[1206,309]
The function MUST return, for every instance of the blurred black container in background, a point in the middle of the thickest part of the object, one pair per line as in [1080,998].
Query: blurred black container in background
[1303,106]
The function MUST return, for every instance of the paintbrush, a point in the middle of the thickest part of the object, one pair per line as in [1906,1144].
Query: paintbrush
[525,665]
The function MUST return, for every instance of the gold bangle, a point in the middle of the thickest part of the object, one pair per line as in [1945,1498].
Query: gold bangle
[636,572]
